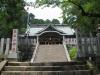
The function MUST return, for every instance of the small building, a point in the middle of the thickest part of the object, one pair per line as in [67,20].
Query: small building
[52,34]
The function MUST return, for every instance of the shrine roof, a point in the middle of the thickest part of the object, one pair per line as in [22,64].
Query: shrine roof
[62,29]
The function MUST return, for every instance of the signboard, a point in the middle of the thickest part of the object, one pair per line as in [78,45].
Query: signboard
[14,40]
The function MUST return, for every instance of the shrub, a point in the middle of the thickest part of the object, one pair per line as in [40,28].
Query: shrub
[73,53]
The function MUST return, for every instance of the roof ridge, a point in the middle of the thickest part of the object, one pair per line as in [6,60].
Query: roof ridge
[48,24]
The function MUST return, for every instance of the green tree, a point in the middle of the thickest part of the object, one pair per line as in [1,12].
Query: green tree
[55,21]
[81,14]
[47,21]
[33,20]
[37,21]
[12,15]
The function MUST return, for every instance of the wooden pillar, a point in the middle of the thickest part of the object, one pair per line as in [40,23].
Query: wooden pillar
[2,46]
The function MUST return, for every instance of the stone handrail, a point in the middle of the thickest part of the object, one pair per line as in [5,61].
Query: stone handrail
[66,51]
[34,53]
[2,64]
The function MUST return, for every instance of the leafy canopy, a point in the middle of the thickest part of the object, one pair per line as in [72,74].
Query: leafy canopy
[81,14]
[12,15]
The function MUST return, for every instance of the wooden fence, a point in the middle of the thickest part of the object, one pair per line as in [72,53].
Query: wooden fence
[5,45]
[24,43]
[87,47]
[25,47]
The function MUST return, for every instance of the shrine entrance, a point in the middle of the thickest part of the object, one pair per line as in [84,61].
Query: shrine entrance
[50,38]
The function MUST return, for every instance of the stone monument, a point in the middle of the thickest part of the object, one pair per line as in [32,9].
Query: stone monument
[14,47]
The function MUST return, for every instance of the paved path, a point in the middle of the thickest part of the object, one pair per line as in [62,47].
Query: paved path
[50,53]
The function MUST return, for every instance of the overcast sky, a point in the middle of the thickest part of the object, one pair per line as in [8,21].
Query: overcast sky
[45,13]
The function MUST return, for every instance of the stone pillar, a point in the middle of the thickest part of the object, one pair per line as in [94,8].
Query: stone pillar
[37,39]
[2,46]
[7,46]
[34,41]
[63,39]
[14,48]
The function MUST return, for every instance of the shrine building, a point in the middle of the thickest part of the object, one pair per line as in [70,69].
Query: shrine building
[51,34]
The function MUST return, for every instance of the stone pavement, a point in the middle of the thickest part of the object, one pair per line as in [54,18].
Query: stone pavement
[50,53]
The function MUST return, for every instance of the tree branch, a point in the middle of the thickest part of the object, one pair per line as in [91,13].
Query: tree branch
[83,12]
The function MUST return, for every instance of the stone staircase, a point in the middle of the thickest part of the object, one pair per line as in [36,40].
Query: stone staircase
[51,53]
[55,68]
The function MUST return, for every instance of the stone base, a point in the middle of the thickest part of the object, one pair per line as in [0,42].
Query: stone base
[12,56]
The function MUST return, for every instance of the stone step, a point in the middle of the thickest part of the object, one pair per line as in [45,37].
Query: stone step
[45,68]
[75,72]
[45,64]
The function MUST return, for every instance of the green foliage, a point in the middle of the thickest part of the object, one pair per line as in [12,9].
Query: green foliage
[47,21]
[55,21]
[80,14]
[73,53]
[12,15]
[76,19]
[33,20]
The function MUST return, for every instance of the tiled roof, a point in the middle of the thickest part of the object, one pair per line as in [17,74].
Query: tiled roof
[63,28]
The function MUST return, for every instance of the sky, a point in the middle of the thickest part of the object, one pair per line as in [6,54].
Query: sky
[45,13]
